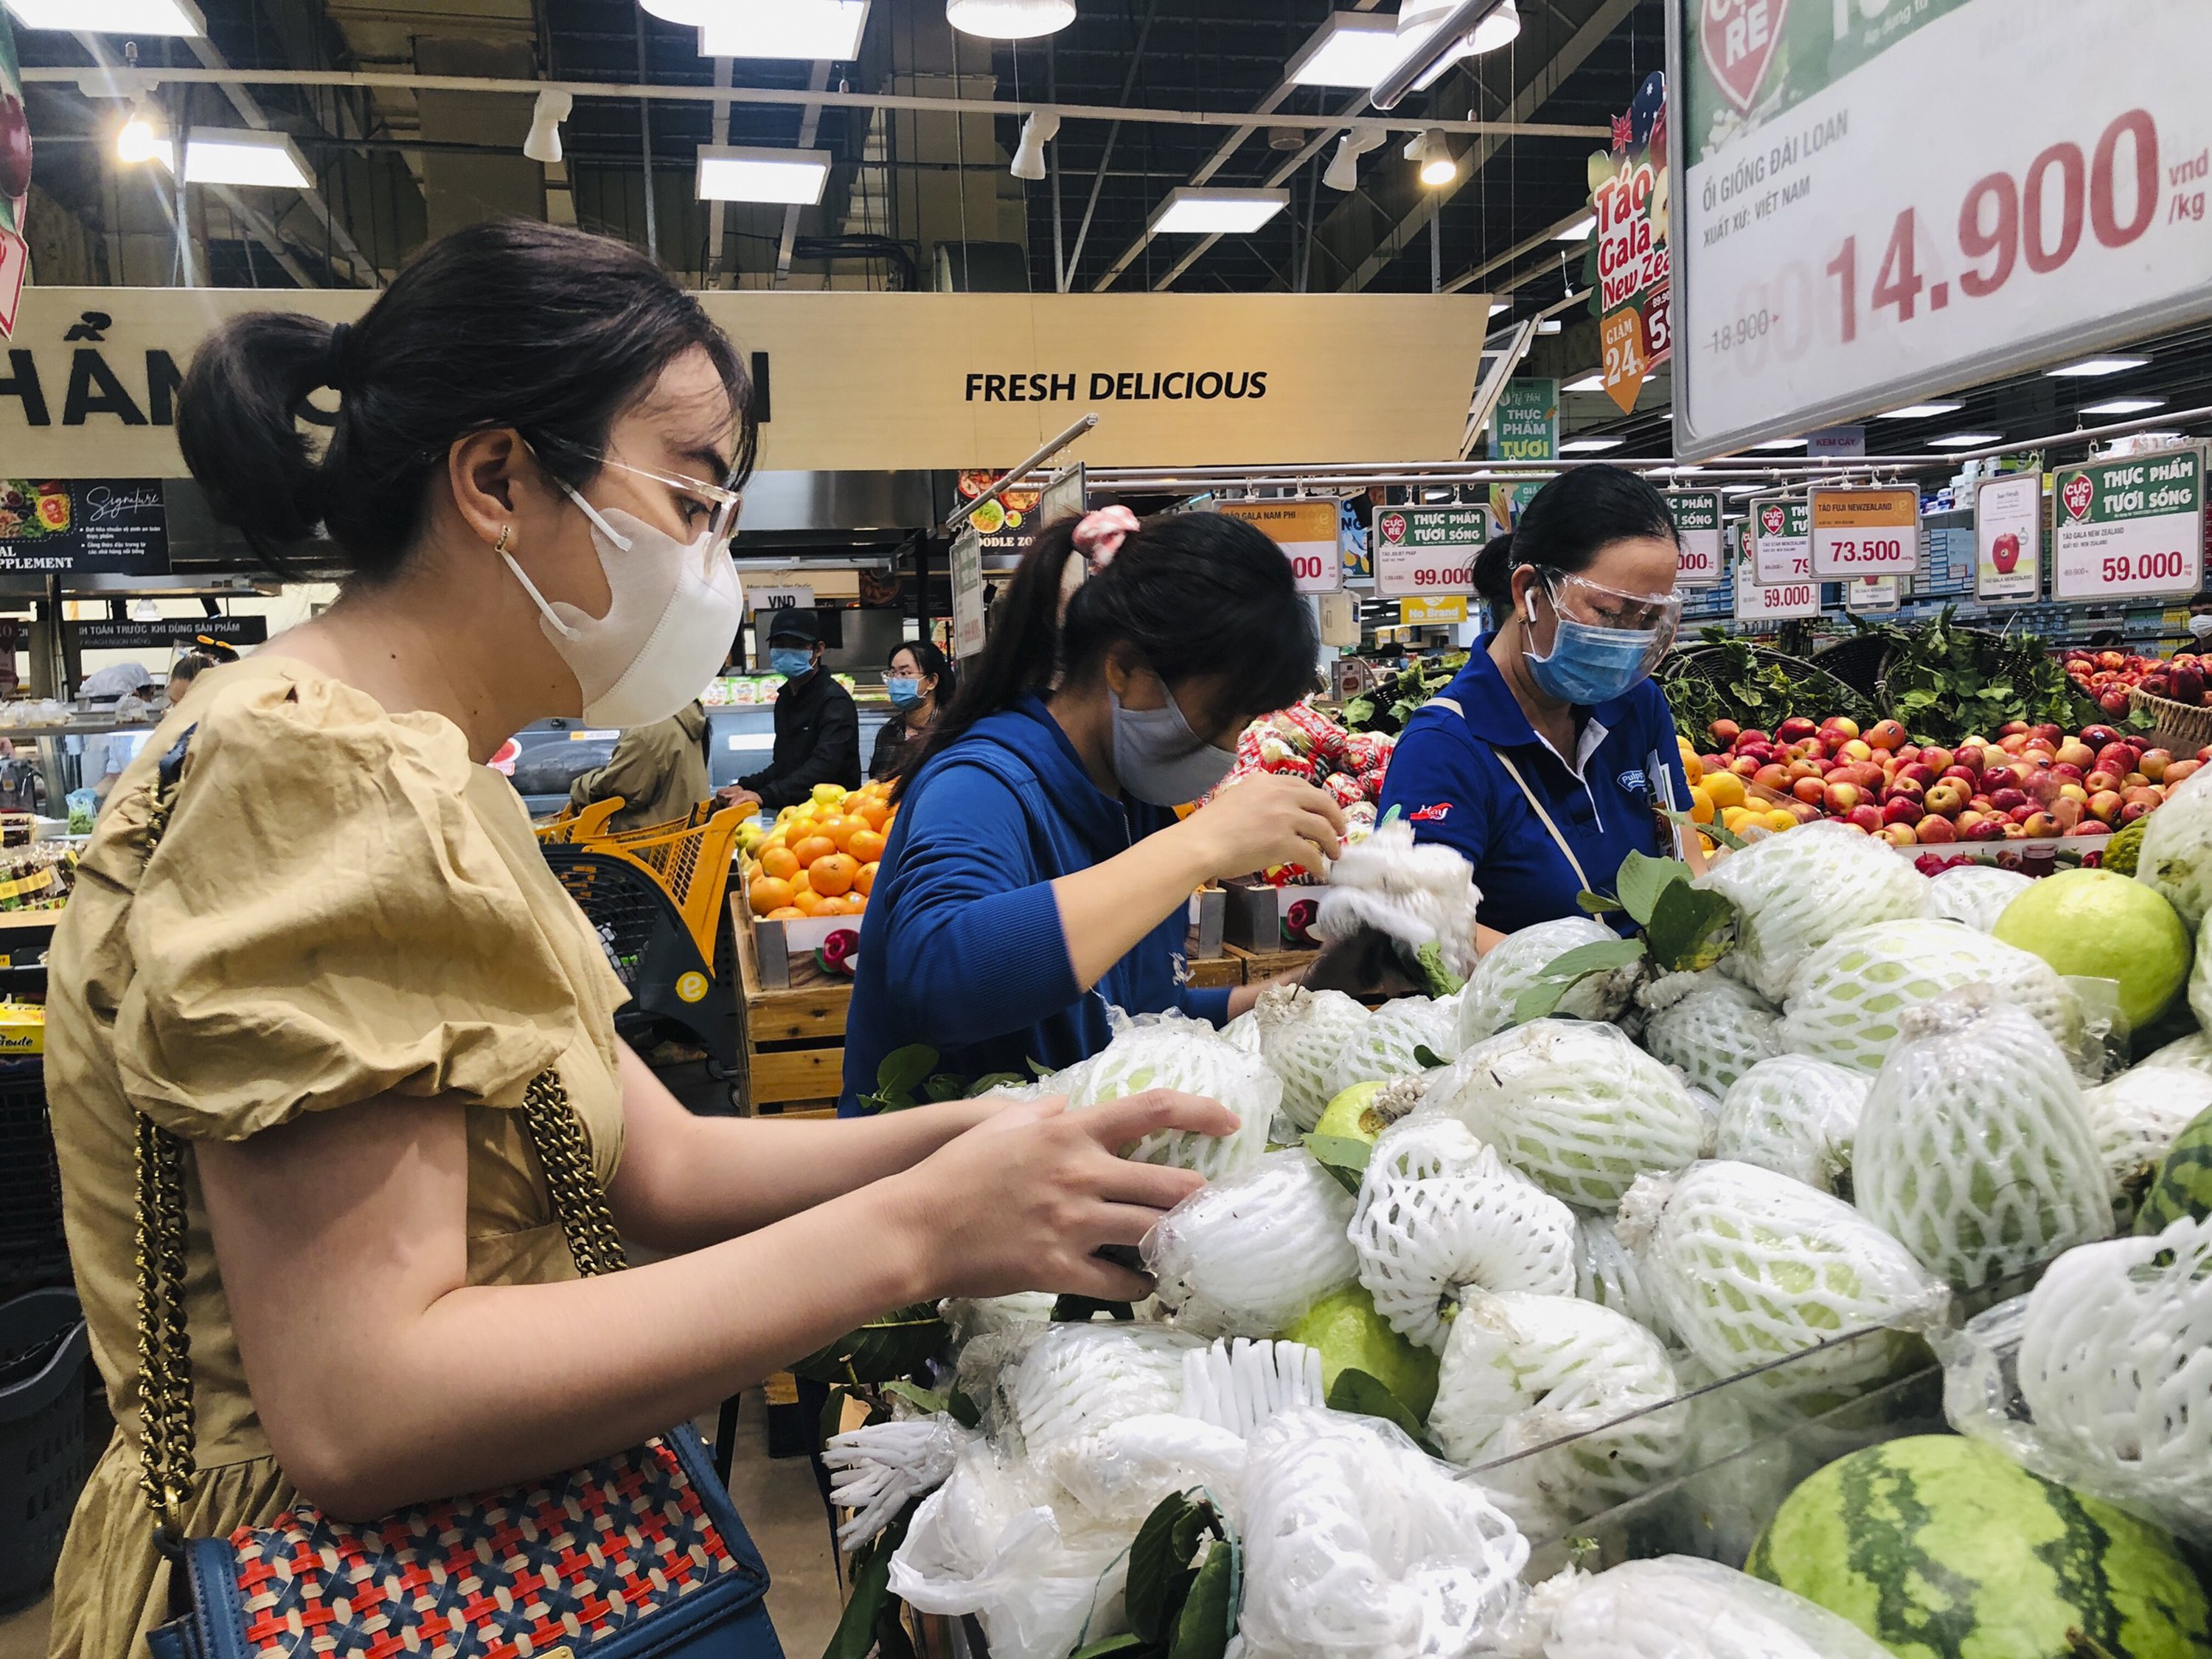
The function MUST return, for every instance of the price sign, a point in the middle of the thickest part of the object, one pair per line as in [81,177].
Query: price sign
[1871,593]
[1063,497]
[1697,525]
[796,596]
[1430,613]
[1756,602]
[968,592]
[1852,233]
[2130,526]
[1782,541]
[1866,532]
[1425,550]
[1306,530]
[2009,538]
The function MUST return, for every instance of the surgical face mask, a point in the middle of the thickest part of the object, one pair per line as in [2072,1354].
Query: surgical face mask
[790,660]
[2200,625]
[677,606]
[1158,758]
[904,690]
[1590,663]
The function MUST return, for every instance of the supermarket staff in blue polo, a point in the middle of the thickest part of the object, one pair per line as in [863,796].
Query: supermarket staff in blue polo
[1552,756]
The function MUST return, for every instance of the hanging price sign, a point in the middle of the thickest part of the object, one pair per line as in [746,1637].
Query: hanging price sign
[1782,541]
[1421,550]
[1865,532]
[1850,234]
[1755,602]
[2130,526]
[1871,593]
[968,592]
[1697,528]
[1306,530]
[2009,538]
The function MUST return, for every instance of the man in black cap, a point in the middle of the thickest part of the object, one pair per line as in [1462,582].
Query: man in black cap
[817,730]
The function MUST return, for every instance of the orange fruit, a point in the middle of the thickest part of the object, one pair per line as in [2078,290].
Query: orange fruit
[799,884]
[779,861]
[807,904]
[876,811]
[833,876]
[768,894]
[841,829]
[789,912]
[864,883]
[867,847]
[842,906]
[812,848]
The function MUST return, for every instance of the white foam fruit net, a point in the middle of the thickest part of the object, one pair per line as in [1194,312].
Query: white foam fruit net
[2111,1356]
[1576,1106]
[1417,893]
[1974,894]
[1796,1116]
[1711,1028]
[1383,1047]
[1522,1372]
[1852,993]
[2136,1118]
[1793,893]
[1517,962]
[1169,1051]
[2175,859]
[1358,1546]
[1678,1606]
[1975,1148]
[2192,1053]
[1075,1379]
[1438,1212]
[1302,1036]
[1607,1273]
[876,1470]
[1752,1266]
[1246,1256]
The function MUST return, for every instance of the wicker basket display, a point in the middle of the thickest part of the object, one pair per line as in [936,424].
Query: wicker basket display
[2177,726]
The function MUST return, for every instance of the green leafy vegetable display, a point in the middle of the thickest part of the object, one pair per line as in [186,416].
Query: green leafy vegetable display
[1749,690]
[1944,681]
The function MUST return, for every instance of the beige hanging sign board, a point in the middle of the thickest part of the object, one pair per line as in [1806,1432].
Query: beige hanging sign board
[873,382]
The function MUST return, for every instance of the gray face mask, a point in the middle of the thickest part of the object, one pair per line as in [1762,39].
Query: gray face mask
[1158,758]
[2200,625]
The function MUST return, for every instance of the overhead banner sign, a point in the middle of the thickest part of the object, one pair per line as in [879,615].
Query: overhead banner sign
[2128,527]
[1782,541]
[1306,530]
[1525,426]
[877,382]
[1861,229]
[1629,290]
[1698,530]
[116,526]
[171,632]
[1425,550]
[1857,533]
[2009,538]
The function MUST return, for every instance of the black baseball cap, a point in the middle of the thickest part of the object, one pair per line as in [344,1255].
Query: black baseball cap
[791,622]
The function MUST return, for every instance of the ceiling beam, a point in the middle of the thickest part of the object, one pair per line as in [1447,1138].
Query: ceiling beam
[809,125]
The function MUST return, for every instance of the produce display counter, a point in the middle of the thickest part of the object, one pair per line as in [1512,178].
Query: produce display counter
[791,1047]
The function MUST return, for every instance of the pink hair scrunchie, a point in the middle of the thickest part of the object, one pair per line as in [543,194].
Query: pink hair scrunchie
[1099,535]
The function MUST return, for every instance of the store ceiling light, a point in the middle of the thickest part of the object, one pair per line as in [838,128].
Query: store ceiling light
[140,139]
[1040,130]
[1577,232]
[2123,406]
[1965,440]
[1350,50]
[141,17]
[2090,367]
[1592,381]
[1589,446]
[1343,170]
[745,173]
[1432,150]
[1419,20]
[233,156]
[1010,20]
[1192,210]
[543,142]
[1549,325]
[808,31]
[1496,306]
[1919,411]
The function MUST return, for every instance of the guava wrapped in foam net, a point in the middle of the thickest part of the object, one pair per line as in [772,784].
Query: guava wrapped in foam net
[1975,1149]
[1678,1606]
[1437,1212]
[1385,1044]
[2176,857]
[1521,1372]
[1303,1034]
[1975,893]
[1711,1028]
[1607,1273]
[1517,962]
[2136,1118]
[1796,1115]
[1851,995]
[1073,1379]
[1575,1106]
[1169,1051]
[1419,893]
[1794,893]
[1246,1256]
[2111,1355]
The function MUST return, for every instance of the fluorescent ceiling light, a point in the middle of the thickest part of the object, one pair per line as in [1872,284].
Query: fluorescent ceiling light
[1549,325]
[179,17]
[1589,446]
[1418,20]
[1351,49]
[1592,381]
[1577,232]
[1781,443]
[810,31]
[1496,306]
[232,155]
[2089,367]
[2123,406]
[741,172]
[1965,440]
[140,140]
[1919,411]
[1192,210]
[1010,20]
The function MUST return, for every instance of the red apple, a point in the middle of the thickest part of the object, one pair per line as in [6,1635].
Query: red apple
[2013,729]
[1840,798]
[1899,835]
[1724,731]
[1938,761]
[1948,798]
[1865,817]
[2140,794]
[1744,766]
[2181,772]
[1751,735]
[2013,742]
[2114,702]
[1773,777]
[2075,753]
[1796,729]
[2005,799]
[2101,778]
[2040,825]
[1842,725]
[2120,758]
[2048,732]
[1905,789]
[2097,736]
[1935,830]
[1988,829]
[1966,781]
[1971,756]
[2104,805]
[2154,764]
[2133,810]
[1885,734]
[2090,827]
[1809,790]
[1902,810]
[1917,772]
[2067,772]
[1856,749]
[2073,792]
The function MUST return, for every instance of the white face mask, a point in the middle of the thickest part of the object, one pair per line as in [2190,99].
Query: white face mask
[677,605]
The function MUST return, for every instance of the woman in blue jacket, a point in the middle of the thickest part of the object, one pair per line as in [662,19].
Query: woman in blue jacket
[1037,873]
[1550,757]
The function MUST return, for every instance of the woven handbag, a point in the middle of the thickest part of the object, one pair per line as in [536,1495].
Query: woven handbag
[639,1555]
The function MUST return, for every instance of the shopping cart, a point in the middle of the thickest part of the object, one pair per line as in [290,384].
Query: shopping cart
[573,825]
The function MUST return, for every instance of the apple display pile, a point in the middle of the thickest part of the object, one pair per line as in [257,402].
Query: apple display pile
[2106,677]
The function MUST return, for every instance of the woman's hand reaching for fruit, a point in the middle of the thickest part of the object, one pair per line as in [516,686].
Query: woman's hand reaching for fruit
[1260,822]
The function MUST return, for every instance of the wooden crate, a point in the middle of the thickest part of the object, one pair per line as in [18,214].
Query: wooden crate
[794,1046]
[1260,965]
[1212,972]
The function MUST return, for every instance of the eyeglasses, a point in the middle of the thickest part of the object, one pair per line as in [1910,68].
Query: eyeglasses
[698,504]
[1601,606]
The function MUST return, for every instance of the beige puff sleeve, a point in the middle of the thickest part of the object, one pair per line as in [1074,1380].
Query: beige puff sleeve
[325,919]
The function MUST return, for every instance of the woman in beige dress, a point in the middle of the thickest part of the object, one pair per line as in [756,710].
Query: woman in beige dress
[344,962]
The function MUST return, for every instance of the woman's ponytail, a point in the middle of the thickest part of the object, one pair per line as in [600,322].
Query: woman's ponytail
[1493,576]
[236,423]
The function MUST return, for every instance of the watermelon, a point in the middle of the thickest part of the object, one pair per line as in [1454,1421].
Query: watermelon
[2183,1186]
[1942,1547]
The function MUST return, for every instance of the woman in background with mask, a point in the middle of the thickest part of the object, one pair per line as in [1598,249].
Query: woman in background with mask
[347,981]
[1552,756]
[1037,873]
[920,682]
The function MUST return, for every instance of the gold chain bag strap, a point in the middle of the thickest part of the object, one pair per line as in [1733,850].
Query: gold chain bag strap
[682,1562]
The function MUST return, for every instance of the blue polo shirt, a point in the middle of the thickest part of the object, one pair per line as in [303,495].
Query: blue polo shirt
[1446,778]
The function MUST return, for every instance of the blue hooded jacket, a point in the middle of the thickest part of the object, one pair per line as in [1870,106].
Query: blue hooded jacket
[963,951]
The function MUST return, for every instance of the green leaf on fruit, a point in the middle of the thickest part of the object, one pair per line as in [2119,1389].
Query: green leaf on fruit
[1365,1395]
[1161,1573]
[1442,982]
[1345,1157]
[1599,956]
[964,1410]
[1208,1618]
[900,1344]
[1597,904]
[990,1080]
[1537,1001]
[1126,1642]
[1643,879]
[1428,1058]
[903,1070]
[860,1629]
[914,1395]
[1692,929]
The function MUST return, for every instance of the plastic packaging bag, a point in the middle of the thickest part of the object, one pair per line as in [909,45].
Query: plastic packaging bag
[1975,893]
[1679,1607]
[2100,1378]
[1387,1043]
[1975,1149]
[877,1470]
[1073,1380]
[1796,1115]
[1303,1034]
[2136,1118]
[1607,1273]
[1170,1051]
[1246,1256]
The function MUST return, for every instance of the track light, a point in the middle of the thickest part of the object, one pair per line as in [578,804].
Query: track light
[1343,170]
[1010,20]
[1433,151]
[543,144]
[140,138]
[1040,130]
